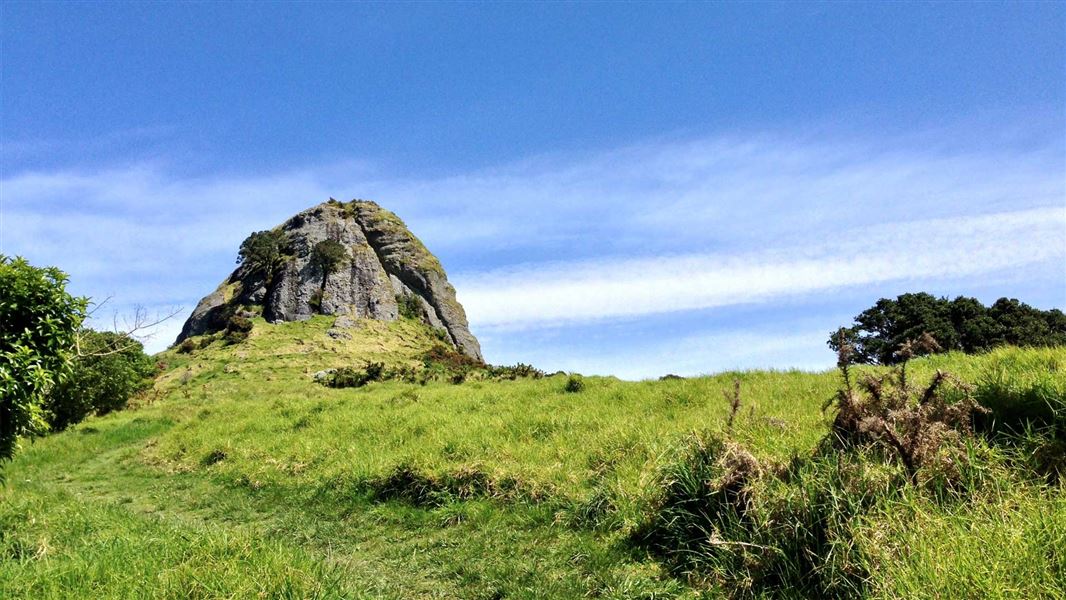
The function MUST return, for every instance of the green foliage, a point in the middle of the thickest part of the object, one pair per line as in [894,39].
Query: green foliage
[327,255]
[960,324]
[574,384]
[263,250]
[39,323]
[1023,391]
[346,377]
[266,484]
[238,327]
[724,519]
[448,359]
[112,367]
[187,346]
[513,372]
[410,306]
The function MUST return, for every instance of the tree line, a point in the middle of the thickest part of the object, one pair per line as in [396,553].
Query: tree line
[963,324]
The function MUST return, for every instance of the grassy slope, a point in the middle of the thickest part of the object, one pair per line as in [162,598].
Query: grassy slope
[243,478]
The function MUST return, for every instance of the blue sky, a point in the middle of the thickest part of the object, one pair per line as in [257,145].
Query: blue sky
[631,189]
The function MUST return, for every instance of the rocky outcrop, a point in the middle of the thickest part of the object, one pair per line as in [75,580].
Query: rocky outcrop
[384,264]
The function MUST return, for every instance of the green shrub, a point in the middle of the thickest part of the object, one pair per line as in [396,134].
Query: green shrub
[518,371]
[725,519]
[574,384]
[238,327]
[38,324]
[327,255]
[346,377]
[441,357]
[239,323]
[187,346]
[112,368]
[263,251]
[409,305]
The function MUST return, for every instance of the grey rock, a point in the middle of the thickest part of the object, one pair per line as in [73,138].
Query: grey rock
[384,260]
[345,322]
[338,334]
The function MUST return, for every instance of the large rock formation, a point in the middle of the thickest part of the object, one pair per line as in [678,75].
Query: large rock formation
[384,264]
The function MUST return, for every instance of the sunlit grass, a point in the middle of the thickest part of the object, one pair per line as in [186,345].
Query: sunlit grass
[241,477]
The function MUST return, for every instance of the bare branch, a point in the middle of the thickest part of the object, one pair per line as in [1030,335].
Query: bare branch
[135,330]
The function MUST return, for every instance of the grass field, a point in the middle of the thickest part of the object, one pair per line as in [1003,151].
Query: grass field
[240,477]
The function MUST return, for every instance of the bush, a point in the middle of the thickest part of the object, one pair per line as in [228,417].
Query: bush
[409,305]
[327,255]
[722,517]
[112,368]
[346,377]
[263,250]
[757,530]
[38,324]
[574,384]
[441,357]
[518,371]
[238,327]
[187,346]
[921,426]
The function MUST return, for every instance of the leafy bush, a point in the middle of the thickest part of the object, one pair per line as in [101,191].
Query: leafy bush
[39,323]
[518,371]
[960,324]
[346,377]
[238,327]
[724,518]
[449,359]
[263,250]
[187,346]
[574,384]
[111,369]
[409,305]
[327,255]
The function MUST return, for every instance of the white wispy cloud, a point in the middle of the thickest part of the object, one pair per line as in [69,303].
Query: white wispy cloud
[921,250]
[646,229]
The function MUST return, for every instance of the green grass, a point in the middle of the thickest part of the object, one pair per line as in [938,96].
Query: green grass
[241,477]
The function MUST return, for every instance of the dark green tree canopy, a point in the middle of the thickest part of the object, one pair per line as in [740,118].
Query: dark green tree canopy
[39,322]
[327,255]
[960,324]
[263,249]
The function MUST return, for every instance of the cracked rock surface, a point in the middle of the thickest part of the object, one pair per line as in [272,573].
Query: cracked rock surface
[383,262]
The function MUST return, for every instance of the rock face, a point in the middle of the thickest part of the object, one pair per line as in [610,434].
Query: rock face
[384,264]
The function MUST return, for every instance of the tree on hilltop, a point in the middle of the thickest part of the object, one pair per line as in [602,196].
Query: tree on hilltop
[962,324]
[263,250]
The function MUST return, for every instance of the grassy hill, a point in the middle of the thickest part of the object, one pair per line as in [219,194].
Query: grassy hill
[239,476]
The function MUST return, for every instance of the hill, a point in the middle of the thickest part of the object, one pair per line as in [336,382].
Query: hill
[240,476]
[352,259]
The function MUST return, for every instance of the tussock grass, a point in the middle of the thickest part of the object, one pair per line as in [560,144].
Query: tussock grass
[239,476]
